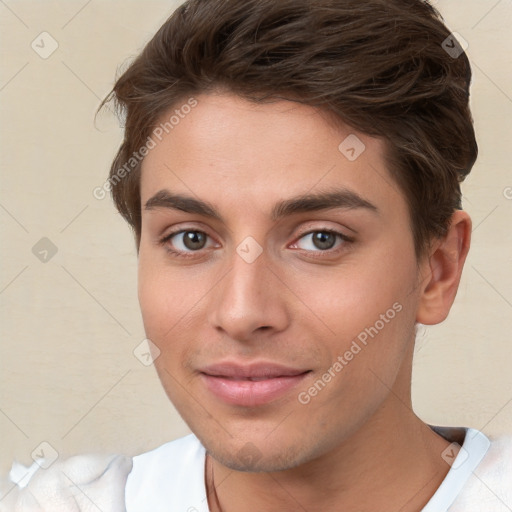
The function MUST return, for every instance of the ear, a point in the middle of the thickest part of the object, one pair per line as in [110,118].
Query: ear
[441,271]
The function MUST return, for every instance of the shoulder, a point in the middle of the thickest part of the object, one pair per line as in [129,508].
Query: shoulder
[156,480]
[496,467]
[76,484]
[170,477]
[490,485]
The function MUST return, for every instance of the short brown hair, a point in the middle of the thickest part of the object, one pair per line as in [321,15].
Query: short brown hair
[380,66]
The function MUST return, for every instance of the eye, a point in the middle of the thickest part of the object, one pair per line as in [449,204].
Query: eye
[322,240]
[185,241]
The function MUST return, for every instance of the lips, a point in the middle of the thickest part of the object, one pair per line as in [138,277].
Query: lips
[250,385]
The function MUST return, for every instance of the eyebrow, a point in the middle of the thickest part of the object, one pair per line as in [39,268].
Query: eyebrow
[338,198]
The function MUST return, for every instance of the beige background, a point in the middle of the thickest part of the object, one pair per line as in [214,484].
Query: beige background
[69,326]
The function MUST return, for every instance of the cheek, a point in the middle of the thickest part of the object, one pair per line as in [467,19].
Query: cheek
[369,308]
[160,298]
[164,306]
[172,307]
[161,294]
[152,299]
[350,298]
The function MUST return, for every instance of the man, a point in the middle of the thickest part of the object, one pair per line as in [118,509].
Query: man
[292,174]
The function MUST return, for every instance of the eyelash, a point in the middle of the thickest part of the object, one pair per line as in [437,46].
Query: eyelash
[164,242]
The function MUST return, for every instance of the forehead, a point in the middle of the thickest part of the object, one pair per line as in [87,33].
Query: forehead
[228,149]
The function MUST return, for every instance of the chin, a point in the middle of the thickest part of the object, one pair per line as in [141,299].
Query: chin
[258,456]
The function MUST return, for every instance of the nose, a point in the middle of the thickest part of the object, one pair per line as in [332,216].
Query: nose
[250,299]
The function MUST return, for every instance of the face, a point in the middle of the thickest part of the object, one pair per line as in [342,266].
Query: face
[280,286]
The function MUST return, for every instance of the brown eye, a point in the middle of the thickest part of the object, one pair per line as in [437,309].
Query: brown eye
[185,241]
[194,240]
[321,240]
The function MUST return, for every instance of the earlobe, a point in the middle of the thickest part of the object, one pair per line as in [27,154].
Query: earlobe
[442,271]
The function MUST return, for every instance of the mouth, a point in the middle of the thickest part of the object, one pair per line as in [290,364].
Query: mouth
[250,385]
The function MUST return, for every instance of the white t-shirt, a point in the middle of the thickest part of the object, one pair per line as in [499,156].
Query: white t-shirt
[171,478]
[150,485]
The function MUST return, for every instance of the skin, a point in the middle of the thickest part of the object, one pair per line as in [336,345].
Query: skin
[357,444]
